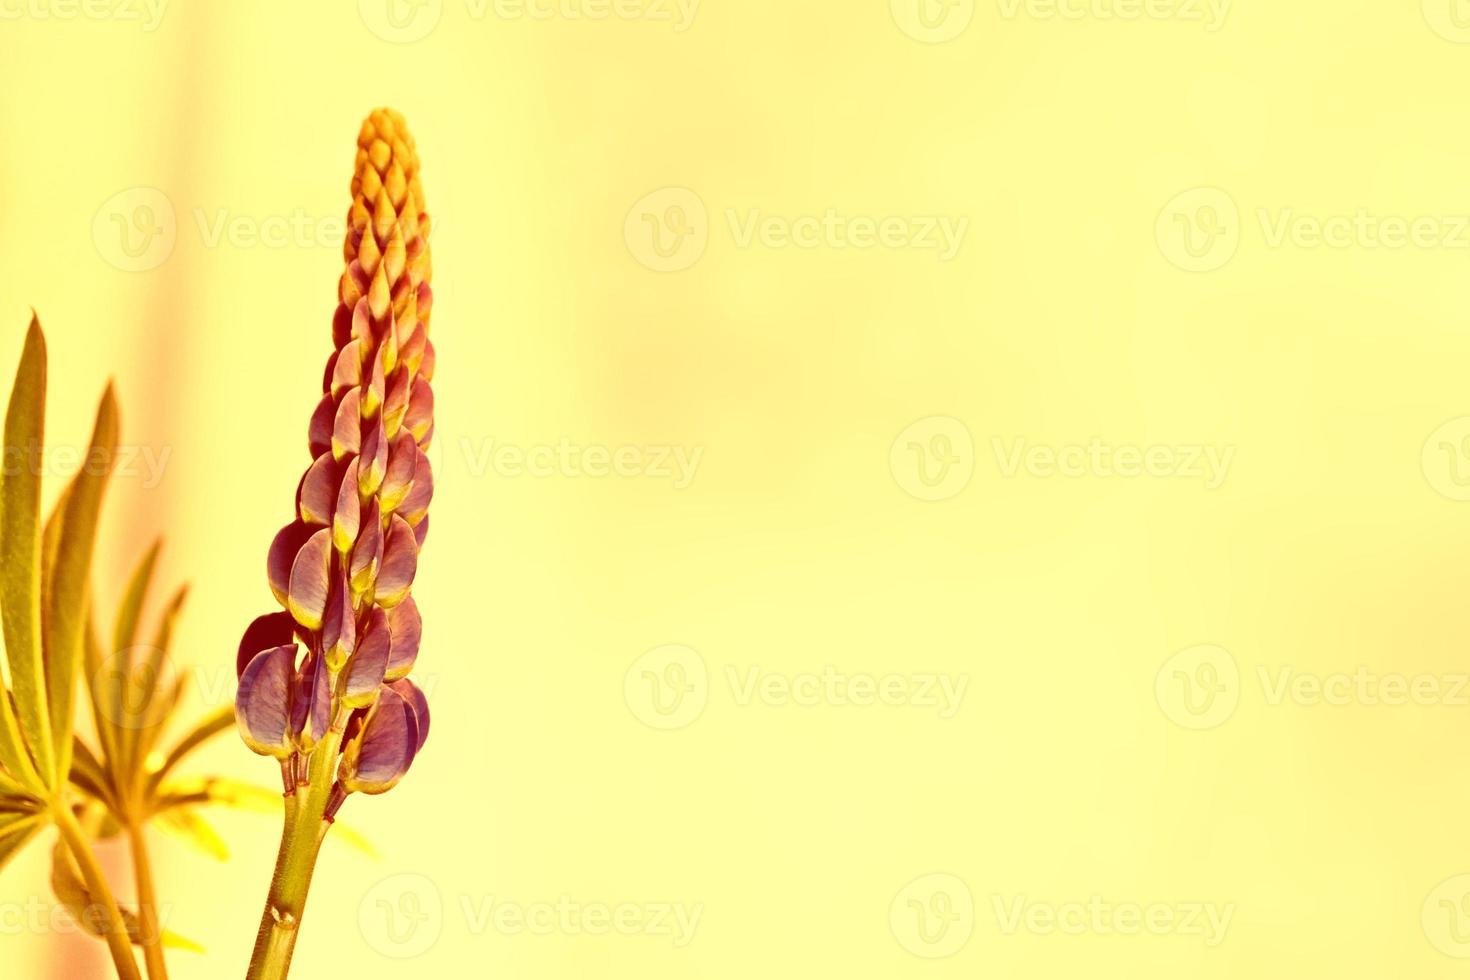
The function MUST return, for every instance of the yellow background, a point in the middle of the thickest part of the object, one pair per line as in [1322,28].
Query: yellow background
[1070,313]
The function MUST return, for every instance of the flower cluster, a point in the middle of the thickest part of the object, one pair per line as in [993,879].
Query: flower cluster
[343,568]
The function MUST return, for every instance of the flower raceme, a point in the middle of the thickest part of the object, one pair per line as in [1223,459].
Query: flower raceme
[343,568]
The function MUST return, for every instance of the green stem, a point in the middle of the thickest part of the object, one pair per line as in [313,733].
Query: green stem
[301,841]
[116,933]
[152,939]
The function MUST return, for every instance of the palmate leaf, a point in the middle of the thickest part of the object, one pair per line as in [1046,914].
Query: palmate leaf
[20,573]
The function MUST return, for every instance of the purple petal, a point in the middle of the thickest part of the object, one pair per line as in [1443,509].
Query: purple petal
[367,554]
[369,664]
[282,556]
[264,632]
[374,461]
[396,404]
[412,351]
[263,702]
[372,392]
[416,504]
[420,409]
[362,323]
[317,497]
[407,628]
[416,700]
[339,626]
[347,514]
[400,564]
[307,595]
[379,758]
[347,372]
[421,532]
[319,434]
[347,426]
[311,704]
[398,480]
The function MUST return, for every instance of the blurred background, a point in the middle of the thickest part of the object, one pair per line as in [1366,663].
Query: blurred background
[924,488]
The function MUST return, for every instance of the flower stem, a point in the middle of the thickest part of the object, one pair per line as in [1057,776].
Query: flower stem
[118,942]
[301,841]
[152,939]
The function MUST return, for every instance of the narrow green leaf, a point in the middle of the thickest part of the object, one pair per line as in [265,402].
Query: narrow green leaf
[221,719]
[87,774]
[156,701]
[98,683]
[15,765]
[172,940]
[20,543]
[193,829]
[70,578]
[16,836]
[120,673]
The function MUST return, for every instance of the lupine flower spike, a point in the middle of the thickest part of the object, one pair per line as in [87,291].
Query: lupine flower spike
[324,685]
